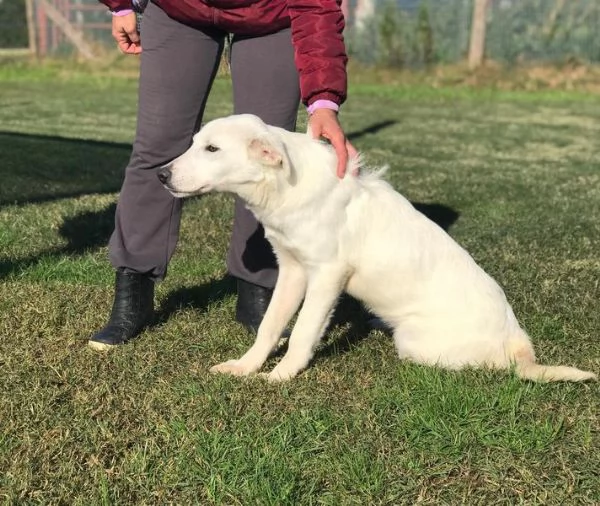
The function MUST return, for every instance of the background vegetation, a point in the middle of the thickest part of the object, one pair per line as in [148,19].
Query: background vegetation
[413,33]
[409,33]
[13,24]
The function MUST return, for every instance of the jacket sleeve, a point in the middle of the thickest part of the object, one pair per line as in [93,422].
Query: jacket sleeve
[320,52]
[116,5]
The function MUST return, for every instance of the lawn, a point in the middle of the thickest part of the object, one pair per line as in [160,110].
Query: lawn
[513,176]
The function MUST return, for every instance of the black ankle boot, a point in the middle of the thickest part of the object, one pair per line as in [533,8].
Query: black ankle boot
[132,311]
[252,303]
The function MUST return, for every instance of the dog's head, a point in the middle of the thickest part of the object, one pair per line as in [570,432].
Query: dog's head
[227,154]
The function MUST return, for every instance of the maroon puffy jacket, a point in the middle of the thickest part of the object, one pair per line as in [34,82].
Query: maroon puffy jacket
[317,27]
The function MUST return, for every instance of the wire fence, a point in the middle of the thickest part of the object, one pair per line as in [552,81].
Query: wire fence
[546,30]
[419,32]
[397,33]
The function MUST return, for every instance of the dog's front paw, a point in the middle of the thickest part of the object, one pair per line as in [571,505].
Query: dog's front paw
[277,376]
[233,367]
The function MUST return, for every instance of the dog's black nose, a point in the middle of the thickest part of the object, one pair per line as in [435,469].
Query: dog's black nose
[164,175]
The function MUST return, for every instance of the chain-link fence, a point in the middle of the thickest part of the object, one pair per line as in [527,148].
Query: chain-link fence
[544,30]
[390,32]
[418,32]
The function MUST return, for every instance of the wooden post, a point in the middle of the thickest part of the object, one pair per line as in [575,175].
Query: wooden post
[74,35]
[54,32]
[41,30]
[66,10]
[477,44]
[31,27]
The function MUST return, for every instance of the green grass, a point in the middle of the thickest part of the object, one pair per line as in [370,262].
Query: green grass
[516,178]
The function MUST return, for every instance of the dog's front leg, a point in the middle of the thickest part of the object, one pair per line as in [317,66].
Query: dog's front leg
[287,296]
[324,288]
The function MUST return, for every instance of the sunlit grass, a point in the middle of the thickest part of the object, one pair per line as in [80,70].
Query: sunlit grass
[514,176]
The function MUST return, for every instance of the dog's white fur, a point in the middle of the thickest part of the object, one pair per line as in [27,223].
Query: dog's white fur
[359,235]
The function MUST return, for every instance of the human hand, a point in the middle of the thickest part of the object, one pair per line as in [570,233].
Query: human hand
[125,32]
[324,123]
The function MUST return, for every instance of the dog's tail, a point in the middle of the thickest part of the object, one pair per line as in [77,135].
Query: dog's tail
[526,367]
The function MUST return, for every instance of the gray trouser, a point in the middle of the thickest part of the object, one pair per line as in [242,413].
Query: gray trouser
[178,65]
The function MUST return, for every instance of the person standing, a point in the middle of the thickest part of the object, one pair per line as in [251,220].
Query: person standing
[282,52]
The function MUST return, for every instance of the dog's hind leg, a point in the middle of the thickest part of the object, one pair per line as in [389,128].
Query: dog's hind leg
[323,290]
[287,296]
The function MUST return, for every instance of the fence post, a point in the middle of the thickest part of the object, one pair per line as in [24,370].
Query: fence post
[477,43]
[74,35]
[31,35]
[41,29]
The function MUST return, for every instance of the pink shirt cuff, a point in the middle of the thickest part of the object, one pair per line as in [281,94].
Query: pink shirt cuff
[322,104]
[123,12]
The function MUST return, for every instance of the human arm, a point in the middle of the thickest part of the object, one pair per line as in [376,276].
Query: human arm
[324,123]
[124,26]
[320,53]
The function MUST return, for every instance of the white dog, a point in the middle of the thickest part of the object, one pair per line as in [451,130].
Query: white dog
[359,235]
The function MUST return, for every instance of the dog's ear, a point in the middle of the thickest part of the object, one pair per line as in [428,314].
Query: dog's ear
[271,153]
[264,152]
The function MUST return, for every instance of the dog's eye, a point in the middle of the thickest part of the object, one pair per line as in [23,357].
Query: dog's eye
[211,148]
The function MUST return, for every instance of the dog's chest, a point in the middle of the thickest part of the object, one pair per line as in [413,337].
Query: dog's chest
[311,229]
[307,243]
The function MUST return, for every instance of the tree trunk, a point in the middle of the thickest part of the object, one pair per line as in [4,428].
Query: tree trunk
[365,9]
[477,45]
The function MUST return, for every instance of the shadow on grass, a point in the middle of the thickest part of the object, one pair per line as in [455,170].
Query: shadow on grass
[353,315]
[84,232]
[443,215]
[371,129]
[38,168]
[197,297]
